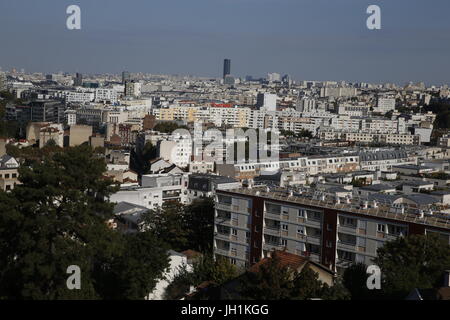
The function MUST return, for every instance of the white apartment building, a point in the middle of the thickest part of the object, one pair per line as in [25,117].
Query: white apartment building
[385,105]
[155,189]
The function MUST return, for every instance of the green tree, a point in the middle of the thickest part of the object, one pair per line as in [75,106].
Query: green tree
[272,281]
[415,261]
[141,266]
[167,127]
[199,216]
[205,268]
[306,285]
[168,223]
[355,280]
[57,218]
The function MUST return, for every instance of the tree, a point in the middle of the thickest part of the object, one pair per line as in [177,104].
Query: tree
[307,285]
[200,224]
[143,263]
[415,261]
[59,221]
[355,281]
[272,281]
[168,223]
[57,218]
[305,134]
[442,111]
[167,127]
[205,268]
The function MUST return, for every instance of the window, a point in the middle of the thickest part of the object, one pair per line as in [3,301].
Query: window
[234,232]
[300,231]
[233,261]
[283,242]
[381,228]
[301,213]
[285,227]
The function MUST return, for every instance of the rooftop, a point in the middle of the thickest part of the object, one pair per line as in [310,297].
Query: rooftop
[354,205]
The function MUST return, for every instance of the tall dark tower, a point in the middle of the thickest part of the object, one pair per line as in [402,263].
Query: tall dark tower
[126,76]
[78,81]
[226,67]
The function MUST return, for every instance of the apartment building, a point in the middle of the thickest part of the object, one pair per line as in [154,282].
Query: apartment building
[385,160]
[155,190]
[250,223]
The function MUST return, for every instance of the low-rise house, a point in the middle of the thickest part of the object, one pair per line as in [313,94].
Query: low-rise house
[128,217]
[415,186]
[411,169]
[9,174]
[177,261]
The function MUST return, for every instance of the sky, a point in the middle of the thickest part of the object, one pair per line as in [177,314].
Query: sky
[308,39]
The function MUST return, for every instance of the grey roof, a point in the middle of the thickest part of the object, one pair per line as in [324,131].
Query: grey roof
[421,198]
[382,155]
[417,183]
[272,177]
[378,187]
[381,197]
[338,189]
[126,206]
[213,178]
[411,166]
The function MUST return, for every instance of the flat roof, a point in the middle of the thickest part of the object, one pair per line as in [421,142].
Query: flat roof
[382,211]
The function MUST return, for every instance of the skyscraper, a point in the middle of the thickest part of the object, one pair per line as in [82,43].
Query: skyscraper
[226,67]
[78,81]
[126,76]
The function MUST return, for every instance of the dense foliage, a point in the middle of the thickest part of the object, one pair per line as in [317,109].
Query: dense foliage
[57,218]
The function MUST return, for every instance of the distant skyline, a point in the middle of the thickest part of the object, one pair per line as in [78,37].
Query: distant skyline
[308,39]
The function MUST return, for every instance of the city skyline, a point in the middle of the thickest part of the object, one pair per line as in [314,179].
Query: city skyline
[321,40]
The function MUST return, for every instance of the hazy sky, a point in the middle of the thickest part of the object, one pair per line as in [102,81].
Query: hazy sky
[308,39]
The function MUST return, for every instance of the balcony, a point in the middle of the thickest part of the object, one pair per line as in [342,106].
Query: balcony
[273,216]
[226,223]
[223,206]
[273,231]
[346,245]
[222,251]
[222,236]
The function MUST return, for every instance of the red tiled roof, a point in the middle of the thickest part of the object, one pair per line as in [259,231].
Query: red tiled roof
[191,253]
[286,259]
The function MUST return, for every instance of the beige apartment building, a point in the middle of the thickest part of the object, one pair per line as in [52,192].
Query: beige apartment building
[79,134]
